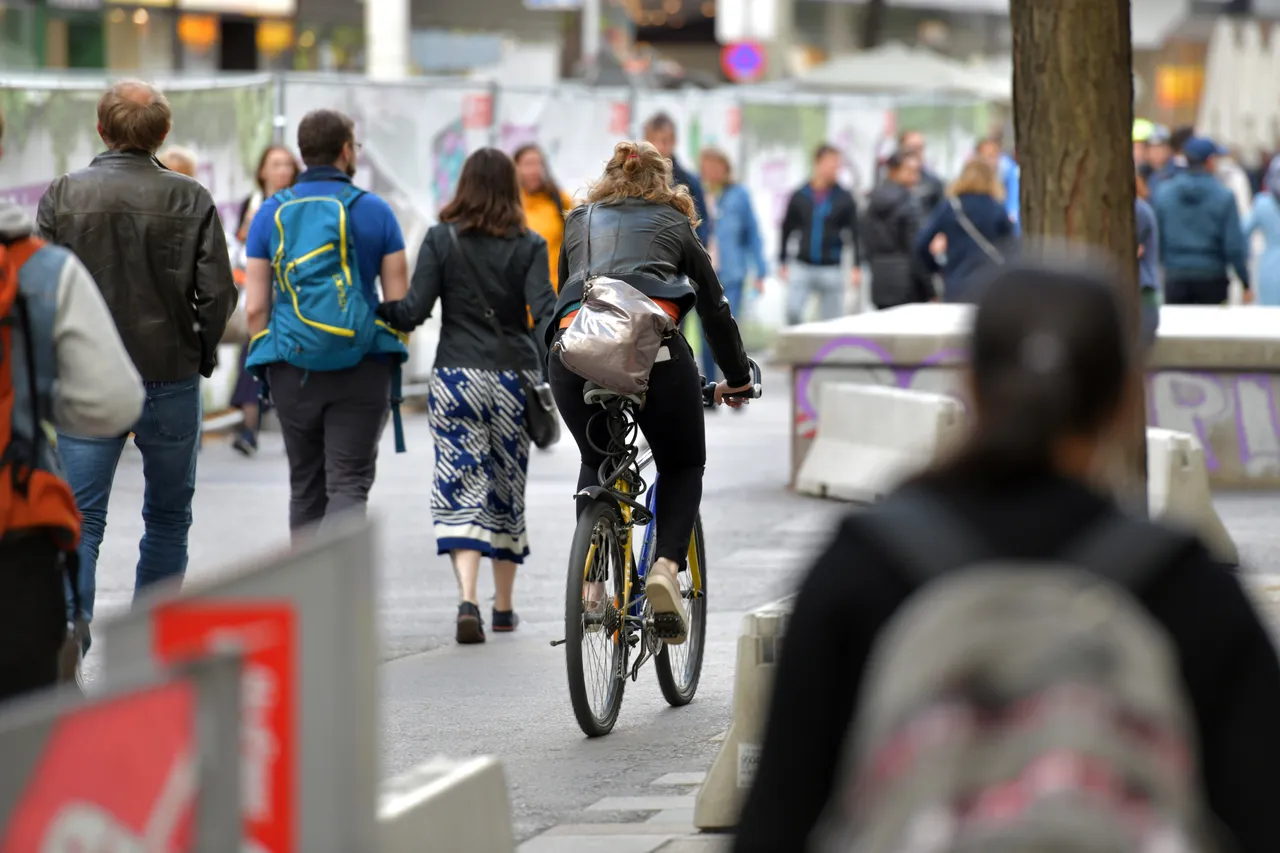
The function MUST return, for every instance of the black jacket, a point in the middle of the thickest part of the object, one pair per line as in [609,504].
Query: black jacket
[1227,661]
[653,248]
[515,275]
[889,227]
[154,243]
[822,227]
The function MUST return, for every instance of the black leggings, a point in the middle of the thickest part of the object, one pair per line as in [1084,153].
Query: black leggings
[672,421]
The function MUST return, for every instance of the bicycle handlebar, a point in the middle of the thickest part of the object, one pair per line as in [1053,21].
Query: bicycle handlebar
[754,393]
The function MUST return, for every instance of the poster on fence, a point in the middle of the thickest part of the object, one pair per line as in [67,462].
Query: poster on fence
[52,131]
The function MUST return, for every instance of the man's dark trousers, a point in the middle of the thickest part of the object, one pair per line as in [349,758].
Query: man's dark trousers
[1195,291]
[332,422]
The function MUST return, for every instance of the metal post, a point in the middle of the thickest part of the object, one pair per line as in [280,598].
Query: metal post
[280,121]
[590,36]
[495,94]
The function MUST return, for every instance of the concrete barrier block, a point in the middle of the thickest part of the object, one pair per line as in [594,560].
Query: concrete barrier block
[1178,489]
[871,437]
[447,806]
[720,798]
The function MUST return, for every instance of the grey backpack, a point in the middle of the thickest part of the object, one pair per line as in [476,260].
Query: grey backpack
[1019,707]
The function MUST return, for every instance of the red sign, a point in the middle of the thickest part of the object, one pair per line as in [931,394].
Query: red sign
[743,61]
[620,118]
[733,121]
[117,777]
[477,111]
[266,633]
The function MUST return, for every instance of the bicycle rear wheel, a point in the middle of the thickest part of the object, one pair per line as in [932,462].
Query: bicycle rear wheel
[595,641]
[680,667]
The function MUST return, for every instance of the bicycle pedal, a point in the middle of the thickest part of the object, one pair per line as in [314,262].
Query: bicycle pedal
[666,625]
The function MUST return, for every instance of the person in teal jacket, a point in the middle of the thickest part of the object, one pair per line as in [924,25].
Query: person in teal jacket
[738,246]
[1265,217]
[1200,236]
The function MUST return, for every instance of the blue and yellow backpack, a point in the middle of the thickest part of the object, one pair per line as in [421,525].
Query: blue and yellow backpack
[320,319]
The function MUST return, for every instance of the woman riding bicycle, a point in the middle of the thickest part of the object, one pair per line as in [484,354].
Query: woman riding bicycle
[641,232]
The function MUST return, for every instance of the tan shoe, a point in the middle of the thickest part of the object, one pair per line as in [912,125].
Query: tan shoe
[70,657]
[662,588]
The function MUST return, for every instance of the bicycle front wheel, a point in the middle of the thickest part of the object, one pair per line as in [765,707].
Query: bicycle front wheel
[595,640]
[680,667]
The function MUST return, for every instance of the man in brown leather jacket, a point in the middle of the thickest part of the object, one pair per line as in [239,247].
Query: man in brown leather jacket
[154,244]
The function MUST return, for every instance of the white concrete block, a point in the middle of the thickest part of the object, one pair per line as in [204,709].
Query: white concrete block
[720,798]
[447,806]
[871,437]
[1178,489]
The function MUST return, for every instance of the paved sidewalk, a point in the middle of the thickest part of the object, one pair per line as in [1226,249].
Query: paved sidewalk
[660,821]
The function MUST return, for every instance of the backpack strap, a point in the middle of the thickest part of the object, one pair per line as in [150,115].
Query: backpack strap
[397,397]
[925,536]
[1129,551]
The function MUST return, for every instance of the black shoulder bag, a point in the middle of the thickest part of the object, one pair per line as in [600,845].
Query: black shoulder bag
[540,416]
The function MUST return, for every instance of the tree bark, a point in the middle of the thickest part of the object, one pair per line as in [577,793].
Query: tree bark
[872,23]
[1073,119]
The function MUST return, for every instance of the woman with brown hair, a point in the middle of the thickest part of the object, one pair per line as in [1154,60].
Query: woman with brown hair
[277,170]
[978,231]
[544,202]
[484,265]
[638,227]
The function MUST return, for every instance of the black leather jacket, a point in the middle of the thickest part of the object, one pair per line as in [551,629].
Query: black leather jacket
[154,243]
[653,248]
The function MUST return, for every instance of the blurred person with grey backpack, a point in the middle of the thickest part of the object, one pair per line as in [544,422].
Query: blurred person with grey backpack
[997,658]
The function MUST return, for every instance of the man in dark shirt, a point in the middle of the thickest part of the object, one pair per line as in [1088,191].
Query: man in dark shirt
[930,191]
[825,217]
[660,132]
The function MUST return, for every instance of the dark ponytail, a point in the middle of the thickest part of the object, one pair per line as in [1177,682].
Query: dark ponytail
[1049,358]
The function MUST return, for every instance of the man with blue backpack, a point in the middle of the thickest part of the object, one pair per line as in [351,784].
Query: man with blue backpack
[315,252]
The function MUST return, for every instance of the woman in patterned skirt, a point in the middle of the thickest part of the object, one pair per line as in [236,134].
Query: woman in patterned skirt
[484,266]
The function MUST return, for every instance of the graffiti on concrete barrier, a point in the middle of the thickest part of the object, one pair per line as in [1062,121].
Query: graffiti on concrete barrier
[1234,415]
[872,361]
[1226,411]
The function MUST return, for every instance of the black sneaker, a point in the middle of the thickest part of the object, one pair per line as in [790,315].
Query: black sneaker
[470,625]
[245,442]
[505,621]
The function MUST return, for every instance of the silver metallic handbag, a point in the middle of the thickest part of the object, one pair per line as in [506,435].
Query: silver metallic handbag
[614,339]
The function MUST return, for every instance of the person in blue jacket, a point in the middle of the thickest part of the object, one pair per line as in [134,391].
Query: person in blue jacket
[976,224]
[1148,233]
[738,245]
[1200,236]
[660,132]
[1265,217]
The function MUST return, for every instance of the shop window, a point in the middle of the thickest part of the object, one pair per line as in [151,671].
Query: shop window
[198,42]
[139,39]
[336,48]
[18,47]
[238,46]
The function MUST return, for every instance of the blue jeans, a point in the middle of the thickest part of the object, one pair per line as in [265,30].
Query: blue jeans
[168,435]
[733,292]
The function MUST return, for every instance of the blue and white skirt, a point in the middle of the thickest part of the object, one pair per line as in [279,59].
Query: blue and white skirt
[482,462]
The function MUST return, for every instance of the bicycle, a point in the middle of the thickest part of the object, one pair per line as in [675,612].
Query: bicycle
[603,552]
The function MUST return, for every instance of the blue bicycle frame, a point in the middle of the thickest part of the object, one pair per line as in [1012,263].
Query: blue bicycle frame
[649,542]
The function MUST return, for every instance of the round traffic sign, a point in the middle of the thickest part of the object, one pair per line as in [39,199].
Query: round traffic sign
[743,61]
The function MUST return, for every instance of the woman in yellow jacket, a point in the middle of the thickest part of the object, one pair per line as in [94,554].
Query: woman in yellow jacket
[545,204]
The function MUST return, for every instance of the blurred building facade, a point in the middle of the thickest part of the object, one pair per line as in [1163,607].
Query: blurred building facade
[532,40]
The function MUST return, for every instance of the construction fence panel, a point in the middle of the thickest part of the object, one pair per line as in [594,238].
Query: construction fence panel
[51,129]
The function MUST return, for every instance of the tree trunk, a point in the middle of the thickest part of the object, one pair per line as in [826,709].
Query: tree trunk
[872,23]
[1073,118]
